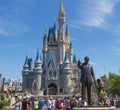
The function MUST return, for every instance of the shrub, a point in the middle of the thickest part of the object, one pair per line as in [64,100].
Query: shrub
[2,96]
[3,102]
[4,108]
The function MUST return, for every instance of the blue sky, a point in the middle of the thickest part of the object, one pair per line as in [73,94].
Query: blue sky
[94,27]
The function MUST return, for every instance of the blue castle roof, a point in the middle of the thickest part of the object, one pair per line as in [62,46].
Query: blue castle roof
[66,59]
[38,57]
[52,58]
[74,59]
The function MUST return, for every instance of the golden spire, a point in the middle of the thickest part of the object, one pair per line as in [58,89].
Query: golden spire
[62,12]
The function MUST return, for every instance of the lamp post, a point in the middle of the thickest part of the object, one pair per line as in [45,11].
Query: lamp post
[12,86]
[18,85]
[3,84]
[0,85]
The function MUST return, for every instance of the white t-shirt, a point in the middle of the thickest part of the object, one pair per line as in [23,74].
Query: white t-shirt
[50,103]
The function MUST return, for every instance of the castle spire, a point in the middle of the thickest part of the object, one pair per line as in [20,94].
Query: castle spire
[66,32]
[38,63]
[66,63]
[26,67]
[74,59]
[61,20]
[62,11]
[38,60]
[26,60]
[54,25]
[66,59]
[45,34]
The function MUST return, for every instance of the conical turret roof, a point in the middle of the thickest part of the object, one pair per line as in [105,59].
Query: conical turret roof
[74,59]
[62,11]
[66,59]
[38,59]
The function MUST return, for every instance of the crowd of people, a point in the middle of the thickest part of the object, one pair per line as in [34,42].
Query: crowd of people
[48,103]
[45,103]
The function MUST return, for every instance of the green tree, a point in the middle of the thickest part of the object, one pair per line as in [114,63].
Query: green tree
[3,102]
[113,84]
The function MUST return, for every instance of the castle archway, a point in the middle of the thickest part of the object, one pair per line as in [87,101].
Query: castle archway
[52,89]
[35,85]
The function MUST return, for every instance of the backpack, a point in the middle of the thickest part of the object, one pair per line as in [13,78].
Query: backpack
[60,105]
[72,103]
[41,104]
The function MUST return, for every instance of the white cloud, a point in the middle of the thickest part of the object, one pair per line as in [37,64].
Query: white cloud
[117,30]
[92,50]
[11,46]
[116,50]
[8,27]
[12,14]
[75,26]
[95,13]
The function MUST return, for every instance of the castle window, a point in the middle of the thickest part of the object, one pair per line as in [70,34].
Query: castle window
[54,73]
[51,37]
[50,74]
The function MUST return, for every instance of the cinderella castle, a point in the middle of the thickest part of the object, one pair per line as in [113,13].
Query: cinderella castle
[56,69]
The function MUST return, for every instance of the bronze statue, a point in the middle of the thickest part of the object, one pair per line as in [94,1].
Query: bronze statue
[86,79]
[101,93]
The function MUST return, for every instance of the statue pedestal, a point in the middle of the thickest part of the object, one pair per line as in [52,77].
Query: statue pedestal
[95,108]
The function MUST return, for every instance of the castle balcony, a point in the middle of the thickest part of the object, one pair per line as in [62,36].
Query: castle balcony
[52,78]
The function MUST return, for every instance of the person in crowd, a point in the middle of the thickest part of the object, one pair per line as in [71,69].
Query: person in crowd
[79,101]
[67,103]
[50,103]
[36,104]
[73,102]
[85,102]
[41,104]
[25,105]
[17,104]
[59,104]
[30,103]
[112,102]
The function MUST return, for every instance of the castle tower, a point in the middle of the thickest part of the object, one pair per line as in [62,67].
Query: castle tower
[38,63]
[67,71]
[70,52]
[61,20]
[45,48]
[66,64]
[38,70]
[25,72]
[58,65]
[61,33]
[25,67]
